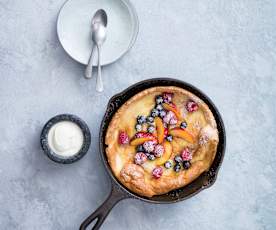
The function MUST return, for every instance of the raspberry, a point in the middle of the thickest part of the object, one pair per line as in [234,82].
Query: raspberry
[186,155]
[149,146]
[140,158]
[167,97]
[158,150]
[170,118]
[123,138]
[191,106]
[157,172]
[143,134]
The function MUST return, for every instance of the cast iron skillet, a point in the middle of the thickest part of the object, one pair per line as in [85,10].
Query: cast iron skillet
[118,191]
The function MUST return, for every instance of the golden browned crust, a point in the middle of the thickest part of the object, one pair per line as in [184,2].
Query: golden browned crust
[138,178]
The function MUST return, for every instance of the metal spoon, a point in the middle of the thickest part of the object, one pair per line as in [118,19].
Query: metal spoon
[98,26]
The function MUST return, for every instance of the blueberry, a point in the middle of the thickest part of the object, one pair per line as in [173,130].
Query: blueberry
[140,148]
[159,107]
[154,113]
[162,113]
[159,99]
[183,125]
[147,154]
[141,119]
[151,129]
[151,157]
[178,159]
[177,167]
[186,164]
[168,164]
[150,119]
[138,127]
[169,138]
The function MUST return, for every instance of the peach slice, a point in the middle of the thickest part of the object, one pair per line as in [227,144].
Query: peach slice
[141,140]
[167,154]
[160,129]
[182,133]
[173,109]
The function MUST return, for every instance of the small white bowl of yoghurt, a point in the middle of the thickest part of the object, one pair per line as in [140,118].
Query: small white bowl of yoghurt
[65,138]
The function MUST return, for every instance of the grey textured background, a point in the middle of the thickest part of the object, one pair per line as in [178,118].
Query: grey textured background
[226,48]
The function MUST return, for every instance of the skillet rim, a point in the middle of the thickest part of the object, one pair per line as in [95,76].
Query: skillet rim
[207,178]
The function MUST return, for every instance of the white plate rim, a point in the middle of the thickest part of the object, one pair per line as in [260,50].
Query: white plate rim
[132,12]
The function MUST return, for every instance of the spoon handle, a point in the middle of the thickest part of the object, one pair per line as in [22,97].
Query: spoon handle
[99,83]
[89,67]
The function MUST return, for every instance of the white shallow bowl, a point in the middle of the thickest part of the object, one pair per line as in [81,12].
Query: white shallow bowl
[74,28]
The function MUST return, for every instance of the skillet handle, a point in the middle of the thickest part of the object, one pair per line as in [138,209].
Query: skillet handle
[101,212]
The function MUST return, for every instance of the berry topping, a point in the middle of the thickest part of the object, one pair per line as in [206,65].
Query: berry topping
[154,113]
[138,127]
[159,99]
[170,118]
[167,97]
[158,150]
[140,158]
[162,113]
[157,172]
[149,146]
[186,155]
[169,138]
[168,164]
[183,125]
[151,157]
[191,106]
[140,148]
[141,119]
[166,132]
[177,167]
[123,138]
[186,164]
[143,134]
[178,159]
[151,129]
[150,119]
[159,107]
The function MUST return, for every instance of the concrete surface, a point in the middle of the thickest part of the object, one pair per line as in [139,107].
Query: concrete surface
[226,48]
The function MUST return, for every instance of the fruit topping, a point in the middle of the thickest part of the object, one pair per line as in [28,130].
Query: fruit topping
[140,158]
[141,119]
[183,125]
[123,138]
[169,138]
[166,155]
[151,157]
[170,118]
[141,140]
[167,97]
[182,133]
[186,164]
[150,120]
[143,134]
[177,167]
[191,106]
[162,113]
[159,99]
[178,159]
[158,150]
[172,107]
[151,129]
[154,113]
[140,148]
[166,132]
[168,164]
[160,129]
[159,107]
[149,146]
[157,172]
[138,127]
[186,155]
